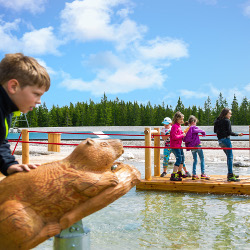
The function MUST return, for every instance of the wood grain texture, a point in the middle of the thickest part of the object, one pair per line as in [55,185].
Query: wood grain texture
[37,205]
[218,184]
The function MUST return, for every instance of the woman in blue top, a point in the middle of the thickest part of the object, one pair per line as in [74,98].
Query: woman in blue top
[222,127]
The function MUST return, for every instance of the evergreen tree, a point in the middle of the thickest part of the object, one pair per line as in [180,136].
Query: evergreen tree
[243,114]
[136,114]
[149,115]
[200,115]
[187,112]
[115,109]
[32,118]
[105,112]
[78,114]
[72,114]
[43,116]
[179,106]
[235,112]
[91,118]
[207,112]
[67,122]
[169,112]
[54,122]
[219,105]
[159,114]
[122,114]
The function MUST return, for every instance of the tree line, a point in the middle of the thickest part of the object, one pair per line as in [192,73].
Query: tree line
[120,113]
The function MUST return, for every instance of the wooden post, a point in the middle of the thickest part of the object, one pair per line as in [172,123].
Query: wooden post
[54,138]
[57,139]
[25,147]
[50,140]
[249,141]
[157,163]
[147,133]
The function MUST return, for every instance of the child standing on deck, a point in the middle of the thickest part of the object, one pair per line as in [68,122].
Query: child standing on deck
[176,137]
[192,140]
[165,134]
[222,127]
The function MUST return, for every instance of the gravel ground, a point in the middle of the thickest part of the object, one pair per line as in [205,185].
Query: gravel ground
[39,152]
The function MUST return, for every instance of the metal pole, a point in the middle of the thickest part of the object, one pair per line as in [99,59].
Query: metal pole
[75,237]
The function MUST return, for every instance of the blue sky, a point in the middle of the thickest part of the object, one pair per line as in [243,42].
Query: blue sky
[136,50]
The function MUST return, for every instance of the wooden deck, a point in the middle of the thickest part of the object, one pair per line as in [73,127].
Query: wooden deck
[218,184]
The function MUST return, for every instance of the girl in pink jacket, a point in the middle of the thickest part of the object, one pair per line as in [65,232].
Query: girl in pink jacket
[176,137]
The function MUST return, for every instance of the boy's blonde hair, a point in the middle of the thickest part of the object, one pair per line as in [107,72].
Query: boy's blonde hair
[26,70]
[177,116]
[192,118]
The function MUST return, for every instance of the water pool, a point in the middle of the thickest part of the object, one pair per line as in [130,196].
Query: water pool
[158,220]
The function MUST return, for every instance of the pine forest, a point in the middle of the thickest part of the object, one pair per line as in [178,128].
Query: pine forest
[120,113]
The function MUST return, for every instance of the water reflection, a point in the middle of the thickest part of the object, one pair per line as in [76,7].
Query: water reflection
[175,220]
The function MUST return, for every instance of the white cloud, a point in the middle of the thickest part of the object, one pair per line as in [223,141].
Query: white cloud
[246,9]
[49,69]
[214,91]
[8,41]
[164,48]
[227,93]
[129,77]
[35,42]
[107,59]
[247,87]
[192,94]
[89,20]
[33,6]
[38,42]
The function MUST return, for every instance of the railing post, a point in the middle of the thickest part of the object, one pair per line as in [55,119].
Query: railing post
[25,146]
[54,138]
[249,141]
[148,175]
[157,154]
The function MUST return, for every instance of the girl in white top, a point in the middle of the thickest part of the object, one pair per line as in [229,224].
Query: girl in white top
[165,134]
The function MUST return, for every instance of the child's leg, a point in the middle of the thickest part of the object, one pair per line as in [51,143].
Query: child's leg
[201,156]
[167,152]
[194,153]
[177,154]
[174,175]
[180,167]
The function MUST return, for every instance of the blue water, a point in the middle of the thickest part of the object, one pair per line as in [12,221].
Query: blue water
[123,135]
[83,135]
[165,220]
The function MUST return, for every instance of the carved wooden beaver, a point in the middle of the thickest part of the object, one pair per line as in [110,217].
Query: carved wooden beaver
[37,205]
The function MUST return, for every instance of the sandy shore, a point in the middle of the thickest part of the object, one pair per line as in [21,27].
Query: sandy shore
[39,152]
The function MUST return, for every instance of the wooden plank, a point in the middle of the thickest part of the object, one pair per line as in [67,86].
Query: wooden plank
[217,184]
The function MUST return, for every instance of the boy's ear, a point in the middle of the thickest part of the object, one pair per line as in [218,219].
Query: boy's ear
[12,86]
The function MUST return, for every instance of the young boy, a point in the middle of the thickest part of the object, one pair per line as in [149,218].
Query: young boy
[22,83]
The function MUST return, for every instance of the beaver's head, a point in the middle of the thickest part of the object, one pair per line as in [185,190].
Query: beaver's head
[96,154]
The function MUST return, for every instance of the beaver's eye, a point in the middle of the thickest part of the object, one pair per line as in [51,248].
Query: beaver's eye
[104,144]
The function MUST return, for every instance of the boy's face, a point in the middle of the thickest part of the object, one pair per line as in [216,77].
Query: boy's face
[27,98]
[167,126]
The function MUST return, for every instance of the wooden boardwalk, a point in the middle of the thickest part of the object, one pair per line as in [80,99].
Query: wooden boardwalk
[218,184]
